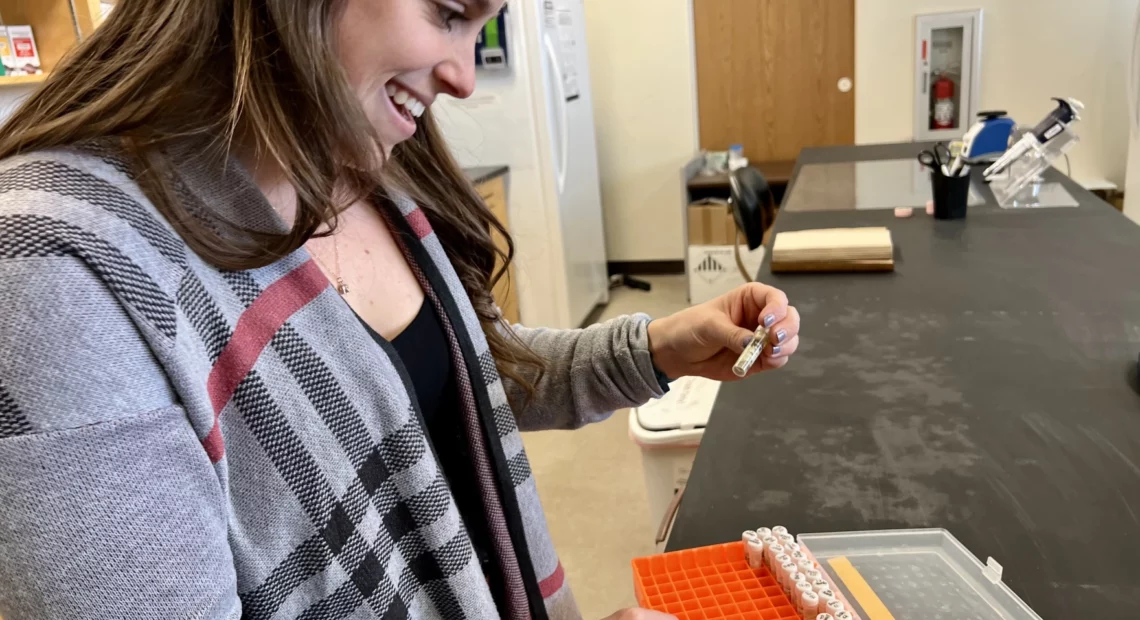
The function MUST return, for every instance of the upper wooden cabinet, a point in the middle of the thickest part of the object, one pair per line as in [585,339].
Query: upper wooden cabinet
[58,26]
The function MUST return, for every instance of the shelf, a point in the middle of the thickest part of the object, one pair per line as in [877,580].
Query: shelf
[16,80]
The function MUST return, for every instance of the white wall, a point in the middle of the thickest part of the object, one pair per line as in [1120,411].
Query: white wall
[643,78]
[1031,51]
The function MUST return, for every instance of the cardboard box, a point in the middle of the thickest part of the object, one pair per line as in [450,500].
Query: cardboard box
[711,224]
[24,50]
[713,271]
[7,59]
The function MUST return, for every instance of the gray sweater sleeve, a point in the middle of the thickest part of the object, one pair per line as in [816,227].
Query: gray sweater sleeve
[109,506]
[590,373]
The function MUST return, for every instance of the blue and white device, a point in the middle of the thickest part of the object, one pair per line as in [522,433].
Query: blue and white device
[989,137]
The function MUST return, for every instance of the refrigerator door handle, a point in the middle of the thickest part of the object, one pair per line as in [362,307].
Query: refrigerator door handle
[563,126]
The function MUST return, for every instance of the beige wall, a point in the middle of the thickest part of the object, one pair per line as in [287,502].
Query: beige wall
[1031,51]
[642,75]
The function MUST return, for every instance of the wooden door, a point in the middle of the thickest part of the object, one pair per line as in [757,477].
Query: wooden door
[768,75]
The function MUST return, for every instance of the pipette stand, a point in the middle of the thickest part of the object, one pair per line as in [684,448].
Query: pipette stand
[1023,185]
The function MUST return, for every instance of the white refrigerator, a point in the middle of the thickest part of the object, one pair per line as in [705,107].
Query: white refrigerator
[1132,180]
[536,116]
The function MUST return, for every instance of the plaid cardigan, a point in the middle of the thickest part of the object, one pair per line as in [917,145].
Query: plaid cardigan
[178,441]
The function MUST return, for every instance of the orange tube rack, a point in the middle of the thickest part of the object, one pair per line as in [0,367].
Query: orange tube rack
[710,582]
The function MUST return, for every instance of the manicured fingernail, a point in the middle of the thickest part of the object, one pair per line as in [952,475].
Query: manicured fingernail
[781,335]
[744,343]
[775,351]
[769,320]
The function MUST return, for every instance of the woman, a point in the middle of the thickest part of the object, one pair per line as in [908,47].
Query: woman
[193,421]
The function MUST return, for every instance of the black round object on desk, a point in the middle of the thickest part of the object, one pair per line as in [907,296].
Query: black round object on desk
[951,195]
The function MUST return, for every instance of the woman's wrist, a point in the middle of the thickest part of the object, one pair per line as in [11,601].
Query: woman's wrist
[656,332]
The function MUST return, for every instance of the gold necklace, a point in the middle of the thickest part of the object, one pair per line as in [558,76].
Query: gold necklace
[341,287]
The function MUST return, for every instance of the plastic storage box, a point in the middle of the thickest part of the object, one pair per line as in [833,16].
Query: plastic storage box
[921,574]
[669,431]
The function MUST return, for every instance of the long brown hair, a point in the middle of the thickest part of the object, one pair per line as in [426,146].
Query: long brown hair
[264,72]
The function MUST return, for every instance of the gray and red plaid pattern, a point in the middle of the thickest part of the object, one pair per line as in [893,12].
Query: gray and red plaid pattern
[274,445]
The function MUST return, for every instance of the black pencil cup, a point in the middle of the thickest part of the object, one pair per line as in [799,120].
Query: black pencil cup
[950,195]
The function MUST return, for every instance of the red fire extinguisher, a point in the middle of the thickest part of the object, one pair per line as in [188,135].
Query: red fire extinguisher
[943,103]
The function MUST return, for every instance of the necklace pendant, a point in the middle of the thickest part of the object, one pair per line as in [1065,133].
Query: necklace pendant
[341,287]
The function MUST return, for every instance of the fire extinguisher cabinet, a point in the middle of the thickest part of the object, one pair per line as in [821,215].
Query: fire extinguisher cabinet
[948,58]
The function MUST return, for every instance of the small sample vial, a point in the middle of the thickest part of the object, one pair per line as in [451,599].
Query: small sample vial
[814,575]
[748,535]
[754,554]
[769,542]
[825,616]
[763,532]
[809,605]
[806,565]
[819,585]
[802,587]
[751,352]
[788,570]
[843,615]
[774,551]
[779,529]
[834,607]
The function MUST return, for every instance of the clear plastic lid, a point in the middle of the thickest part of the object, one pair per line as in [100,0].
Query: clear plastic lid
[921,574]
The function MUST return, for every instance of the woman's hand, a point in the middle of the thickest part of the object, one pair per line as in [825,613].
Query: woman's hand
[705,340]
[640,614]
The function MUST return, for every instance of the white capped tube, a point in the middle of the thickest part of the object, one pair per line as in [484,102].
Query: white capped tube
[785,539]
[763,532]
[774,551]
[809,605]
[754,554]
[819,585]
[781,559]
[769,542]
[779,529]
[814,575]
[788,570]
[806,565]
[834,607]
[748,535]
[844,615]
[802,587]
[792,547]
[825,616]
[751,352]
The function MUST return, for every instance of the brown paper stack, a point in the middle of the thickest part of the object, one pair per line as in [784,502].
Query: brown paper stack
[834,249]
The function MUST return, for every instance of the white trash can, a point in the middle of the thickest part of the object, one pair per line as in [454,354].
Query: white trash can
[669,431]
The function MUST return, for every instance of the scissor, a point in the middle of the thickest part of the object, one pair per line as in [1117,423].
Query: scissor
[936,158]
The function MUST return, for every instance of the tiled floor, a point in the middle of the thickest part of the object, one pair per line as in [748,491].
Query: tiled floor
[585,476]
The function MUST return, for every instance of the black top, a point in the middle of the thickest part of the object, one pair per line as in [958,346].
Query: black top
[982,387]
[424,351]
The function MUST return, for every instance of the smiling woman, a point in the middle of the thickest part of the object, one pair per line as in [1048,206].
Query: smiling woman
[250,365]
